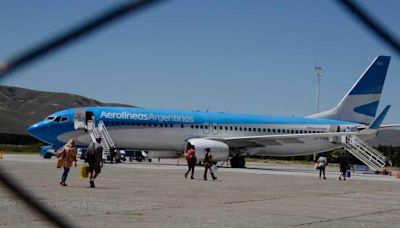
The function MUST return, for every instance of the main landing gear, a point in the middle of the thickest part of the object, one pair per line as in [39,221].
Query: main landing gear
[238,162]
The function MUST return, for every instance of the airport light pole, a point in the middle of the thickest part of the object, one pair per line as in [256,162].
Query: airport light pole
[318,74]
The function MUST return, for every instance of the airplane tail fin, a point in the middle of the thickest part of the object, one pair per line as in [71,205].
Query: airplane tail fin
[361,102]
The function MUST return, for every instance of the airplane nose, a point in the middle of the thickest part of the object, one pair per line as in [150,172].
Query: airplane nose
[33,129]
[38,130]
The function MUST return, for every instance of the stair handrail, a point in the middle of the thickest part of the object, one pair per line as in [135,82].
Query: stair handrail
[105,133]
[373,150]
[365,153]
[362,157]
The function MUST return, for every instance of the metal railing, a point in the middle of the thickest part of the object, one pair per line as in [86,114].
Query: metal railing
[365,153]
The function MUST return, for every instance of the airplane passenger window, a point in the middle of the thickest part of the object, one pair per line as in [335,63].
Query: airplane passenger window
[181,125]
[171,125]
[191,126]
[197,126]
[269,130]
[273,130]
[283,131]
[226,128]
[264,129]
[254,129]
[279,130]
[240,128]
[215,127]
[235,128]
[297,131]
[220,127]
[301,132]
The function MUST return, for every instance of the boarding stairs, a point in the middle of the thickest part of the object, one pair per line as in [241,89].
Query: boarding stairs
[101,132]
[365,153]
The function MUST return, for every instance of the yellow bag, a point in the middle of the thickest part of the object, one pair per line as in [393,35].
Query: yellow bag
[84,171]
[59,163]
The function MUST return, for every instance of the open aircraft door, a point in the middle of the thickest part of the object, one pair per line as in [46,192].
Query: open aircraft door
[79,119]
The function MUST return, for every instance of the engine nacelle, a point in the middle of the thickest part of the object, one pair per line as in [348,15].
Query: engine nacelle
[219,150]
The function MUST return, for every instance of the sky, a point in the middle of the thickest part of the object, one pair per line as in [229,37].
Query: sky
[222,56]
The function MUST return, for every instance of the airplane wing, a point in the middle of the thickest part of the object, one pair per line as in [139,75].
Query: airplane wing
[267,140]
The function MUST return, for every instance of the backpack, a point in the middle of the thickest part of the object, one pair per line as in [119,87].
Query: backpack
[90,153]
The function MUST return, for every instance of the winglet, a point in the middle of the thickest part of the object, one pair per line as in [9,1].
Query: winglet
[378,120]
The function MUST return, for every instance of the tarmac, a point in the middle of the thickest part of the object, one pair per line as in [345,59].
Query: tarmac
[157,195]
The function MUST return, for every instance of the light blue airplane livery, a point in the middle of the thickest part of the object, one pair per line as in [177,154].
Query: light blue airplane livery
[230,136]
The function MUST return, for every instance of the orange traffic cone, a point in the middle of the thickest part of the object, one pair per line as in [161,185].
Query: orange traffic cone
[398,174]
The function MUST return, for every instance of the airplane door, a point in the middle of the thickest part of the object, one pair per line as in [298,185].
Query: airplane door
[215,129]
[206,128]
[79,119]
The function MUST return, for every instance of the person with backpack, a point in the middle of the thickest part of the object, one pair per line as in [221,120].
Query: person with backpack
[67,155]
[208,164]
[94,157]
[191,160]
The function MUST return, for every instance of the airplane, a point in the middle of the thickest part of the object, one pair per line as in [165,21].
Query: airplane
[230,136]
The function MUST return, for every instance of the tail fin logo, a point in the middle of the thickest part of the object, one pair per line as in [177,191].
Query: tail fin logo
[368,109]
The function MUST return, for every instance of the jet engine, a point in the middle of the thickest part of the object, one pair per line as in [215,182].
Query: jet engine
[219,150]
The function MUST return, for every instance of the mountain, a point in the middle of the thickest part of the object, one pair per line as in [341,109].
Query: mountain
[21,107]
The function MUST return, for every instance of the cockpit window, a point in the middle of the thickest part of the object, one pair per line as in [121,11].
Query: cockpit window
[57,118]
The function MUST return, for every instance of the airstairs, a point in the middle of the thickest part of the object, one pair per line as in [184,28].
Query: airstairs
[101,132]
[365,153]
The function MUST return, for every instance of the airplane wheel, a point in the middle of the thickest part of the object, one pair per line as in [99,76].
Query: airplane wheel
[47,156]
[238,162]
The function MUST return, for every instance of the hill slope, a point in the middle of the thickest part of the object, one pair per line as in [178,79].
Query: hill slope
[20,107]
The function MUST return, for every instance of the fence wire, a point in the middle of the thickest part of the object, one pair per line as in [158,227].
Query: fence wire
[129,7]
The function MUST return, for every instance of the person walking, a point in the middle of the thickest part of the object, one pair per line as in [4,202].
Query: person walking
[67,154]
[322,162]
[191,160]
[208,164]
[94,157]
[343,166]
